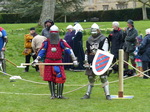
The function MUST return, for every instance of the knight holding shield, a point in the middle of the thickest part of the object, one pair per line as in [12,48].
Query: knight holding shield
[96,42]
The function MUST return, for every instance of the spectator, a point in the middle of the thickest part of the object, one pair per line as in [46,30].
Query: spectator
[138,60]
[3,42]
[78,47]
[130,42]
[68,37]
[144,51]
[28,52]
[45,32]
[116,39]
[36,45]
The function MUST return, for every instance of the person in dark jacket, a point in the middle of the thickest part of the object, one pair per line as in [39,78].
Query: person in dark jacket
[45,32]
[68,38]
[116,39]
[144,50]
[78,47]
[130,43]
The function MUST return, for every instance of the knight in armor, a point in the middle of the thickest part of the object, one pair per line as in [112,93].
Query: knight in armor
[95,41]
[3,42]
[45,32]
[52,49]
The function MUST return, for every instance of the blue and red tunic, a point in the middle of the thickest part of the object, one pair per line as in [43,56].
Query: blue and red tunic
[53,57]
[2,38]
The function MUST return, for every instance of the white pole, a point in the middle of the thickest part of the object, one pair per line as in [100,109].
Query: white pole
[121,63]
[25,64]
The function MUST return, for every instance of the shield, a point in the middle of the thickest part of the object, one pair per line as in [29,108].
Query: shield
[101,62]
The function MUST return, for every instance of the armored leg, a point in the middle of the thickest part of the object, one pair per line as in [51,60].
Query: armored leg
[4,66]
[60,88]
[105,86]
[90,86]
[2,61]
[52,89]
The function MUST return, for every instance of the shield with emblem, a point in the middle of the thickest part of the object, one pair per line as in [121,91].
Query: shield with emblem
[101,62]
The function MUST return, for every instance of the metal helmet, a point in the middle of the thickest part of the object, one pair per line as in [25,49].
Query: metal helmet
[54,34]
[95,30]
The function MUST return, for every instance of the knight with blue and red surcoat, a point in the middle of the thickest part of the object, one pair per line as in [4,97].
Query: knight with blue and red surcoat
[52,49]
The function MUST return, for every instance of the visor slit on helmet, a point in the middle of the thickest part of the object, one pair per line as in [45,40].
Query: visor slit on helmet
[54,31]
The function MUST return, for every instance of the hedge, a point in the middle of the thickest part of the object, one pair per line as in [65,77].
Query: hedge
[110,15]
[16,18]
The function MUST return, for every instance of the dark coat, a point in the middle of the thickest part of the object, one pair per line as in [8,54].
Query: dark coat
[116,39]
[68,37]
[78,50]
[145,48]
[45,32]
[130,40]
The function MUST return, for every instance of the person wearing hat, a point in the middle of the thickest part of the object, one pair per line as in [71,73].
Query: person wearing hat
[130,42]
[28,51]
[68,38]
[45,32]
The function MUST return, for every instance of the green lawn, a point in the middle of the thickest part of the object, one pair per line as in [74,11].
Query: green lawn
[23,96]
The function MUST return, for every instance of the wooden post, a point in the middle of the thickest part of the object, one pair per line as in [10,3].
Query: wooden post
[121,63]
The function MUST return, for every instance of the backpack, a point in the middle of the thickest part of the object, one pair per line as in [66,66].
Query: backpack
[129,72]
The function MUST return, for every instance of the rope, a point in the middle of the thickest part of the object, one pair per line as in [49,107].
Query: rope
[63,93]
[137,69]
[82,86]
[114,64]
[23,79]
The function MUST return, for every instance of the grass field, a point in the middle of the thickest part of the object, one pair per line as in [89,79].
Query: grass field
[24,96]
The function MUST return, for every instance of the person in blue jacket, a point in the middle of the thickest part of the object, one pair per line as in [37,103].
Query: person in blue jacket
[144,51]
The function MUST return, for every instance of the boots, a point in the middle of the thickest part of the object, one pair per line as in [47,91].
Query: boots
[106,90]
[108,97]
[87,95]
[52,89]
[60,91]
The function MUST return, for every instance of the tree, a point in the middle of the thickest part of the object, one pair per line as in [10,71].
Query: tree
[145,2]
[48,11]
[63,7]
[43,9]
[27,8]
[67,7]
